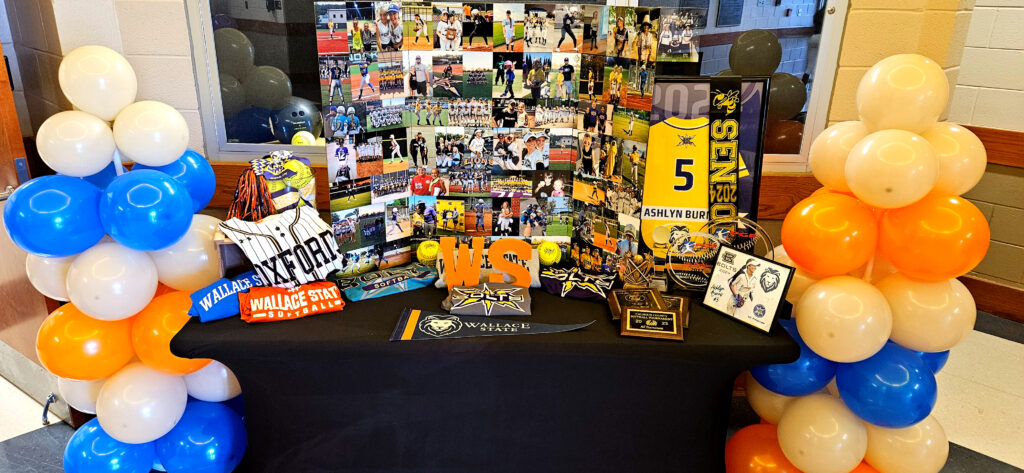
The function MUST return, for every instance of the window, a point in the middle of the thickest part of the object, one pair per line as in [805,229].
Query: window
[287,88]
[270,47]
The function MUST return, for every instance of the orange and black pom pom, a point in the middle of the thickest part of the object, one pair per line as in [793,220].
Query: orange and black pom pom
[252,201]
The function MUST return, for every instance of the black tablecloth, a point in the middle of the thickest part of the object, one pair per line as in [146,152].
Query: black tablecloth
[330,393]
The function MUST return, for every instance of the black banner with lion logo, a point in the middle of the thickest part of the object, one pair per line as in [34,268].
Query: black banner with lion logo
[415,324]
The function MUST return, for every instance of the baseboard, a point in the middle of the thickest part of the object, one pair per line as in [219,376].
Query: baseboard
[32,379]
[996,299]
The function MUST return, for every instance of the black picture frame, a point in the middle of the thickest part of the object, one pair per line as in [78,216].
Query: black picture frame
[717,296]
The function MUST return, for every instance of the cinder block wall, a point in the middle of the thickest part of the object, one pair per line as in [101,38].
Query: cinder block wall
[876,29]
[990,93]
[152,34]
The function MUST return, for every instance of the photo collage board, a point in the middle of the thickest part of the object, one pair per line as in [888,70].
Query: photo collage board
[521,120]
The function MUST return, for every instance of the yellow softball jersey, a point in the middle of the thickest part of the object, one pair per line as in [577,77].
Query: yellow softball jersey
[676,182]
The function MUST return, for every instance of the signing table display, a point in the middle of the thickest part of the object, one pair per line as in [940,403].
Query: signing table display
[331,393]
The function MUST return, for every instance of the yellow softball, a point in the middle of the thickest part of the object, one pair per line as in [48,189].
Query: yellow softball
[549,252]
[427,252]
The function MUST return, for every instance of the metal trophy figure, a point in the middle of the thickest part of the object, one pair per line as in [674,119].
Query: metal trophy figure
[637,271]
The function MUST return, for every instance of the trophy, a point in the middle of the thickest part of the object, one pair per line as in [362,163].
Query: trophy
[691,257]
[636,271]
[742,234]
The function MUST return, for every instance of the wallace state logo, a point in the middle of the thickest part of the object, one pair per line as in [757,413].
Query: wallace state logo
[770,279]
[759,311]
[440,325]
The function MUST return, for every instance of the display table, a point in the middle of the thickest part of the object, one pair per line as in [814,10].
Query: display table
[331,393]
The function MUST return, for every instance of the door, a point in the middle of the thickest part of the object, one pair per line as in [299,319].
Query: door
[22,308]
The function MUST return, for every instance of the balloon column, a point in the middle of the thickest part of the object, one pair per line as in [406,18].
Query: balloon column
[125,249]
[875,298]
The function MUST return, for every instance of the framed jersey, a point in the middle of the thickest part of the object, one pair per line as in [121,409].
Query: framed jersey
[706,167]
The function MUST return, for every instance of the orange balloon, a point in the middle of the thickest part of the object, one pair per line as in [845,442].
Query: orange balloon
[821,190]
[829,234]
[154,328]
[162,289]
[934,239]
[73,345]
[755,449]
[864,468]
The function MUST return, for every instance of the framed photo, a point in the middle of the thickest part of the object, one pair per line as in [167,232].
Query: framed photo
[641,298]
[679,304]
[651,323]
[747,288]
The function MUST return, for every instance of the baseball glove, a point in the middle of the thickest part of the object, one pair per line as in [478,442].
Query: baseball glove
[738,300]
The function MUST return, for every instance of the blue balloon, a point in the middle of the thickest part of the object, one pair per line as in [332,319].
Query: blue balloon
[103,178]
[237,404]
[251,125]
[194,172]
[91,450]
[146,210]
[221,20]
[894,388]
[209,438]
[807,374]
[935,361]
[54,216]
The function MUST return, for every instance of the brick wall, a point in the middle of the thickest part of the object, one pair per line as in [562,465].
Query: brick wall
[990,93]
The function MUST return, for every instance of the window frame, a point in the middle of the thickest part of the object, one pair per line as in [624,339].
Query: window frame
[199,18]
[211,111]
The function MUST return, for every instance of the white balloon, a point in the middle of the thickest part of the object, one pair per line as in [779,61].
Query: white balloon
[920,448]
[151,133]
[767,404]
[49,275]
[843,319]
[235,53]
[905,91]
[97,80]
[880,268]
[75,143]
[193,262]
[232,95]
[819,434]
[139,404]
[111,281]
[961,155]
[267,87]
[829,151]
[802,279]
[928,316]
[81,395]
[891,169]
[213,383]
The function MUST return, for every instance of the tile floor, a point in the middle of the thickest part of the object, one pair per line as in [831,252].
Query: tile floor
[18,412]
[981,397]
[980,405]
